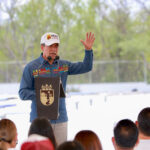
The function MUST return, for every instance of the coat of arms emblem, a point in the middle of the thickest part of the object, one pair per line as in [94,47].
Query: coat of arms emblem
[46,95]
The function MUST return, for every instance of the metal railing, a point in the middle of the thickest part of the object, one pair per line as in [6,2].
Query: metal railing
[103,71]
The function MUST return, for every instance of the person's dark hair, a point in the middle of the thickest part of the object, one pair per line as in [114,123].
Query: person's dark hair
[70,145]
[126,133]
[42,126]
[144,121]
[88,139]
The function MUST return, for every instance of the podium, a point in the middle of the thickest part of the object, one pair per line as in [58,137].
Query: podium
[48,91]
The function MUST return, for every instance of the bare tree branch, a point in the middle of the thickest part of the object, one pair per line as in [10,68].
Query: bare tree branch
[143,5]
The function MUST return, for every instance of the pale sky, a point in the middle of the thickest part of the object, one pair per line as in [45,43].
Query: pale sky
[131,3]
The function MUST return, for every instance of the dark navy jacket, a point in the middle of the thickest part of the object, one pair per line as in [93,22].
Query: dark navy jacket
[62,68]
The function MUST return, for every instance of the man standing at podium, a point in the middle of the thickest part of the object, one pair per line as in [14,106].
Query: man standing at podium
[49,65]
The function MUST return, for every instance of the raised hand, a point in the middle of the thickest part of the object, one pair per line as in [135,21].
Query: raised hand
[88,43]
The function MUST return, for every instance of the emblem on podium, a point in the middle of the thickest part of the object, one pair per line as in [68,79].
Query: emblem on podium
[47,95]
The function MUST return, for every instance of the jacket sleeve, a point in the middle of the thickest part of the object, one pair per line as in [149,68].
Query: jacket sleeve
[26,91]
[82,67]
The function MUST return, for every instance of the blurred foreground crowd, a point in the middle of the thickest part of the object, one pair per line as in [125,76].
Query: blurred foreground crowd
[127,135]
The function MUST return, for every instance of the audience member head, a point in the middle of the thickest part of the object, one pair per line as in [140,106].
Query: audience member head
[143,122]
[70,145]
[88,139]
[125,135]
[42,126]
[8,134]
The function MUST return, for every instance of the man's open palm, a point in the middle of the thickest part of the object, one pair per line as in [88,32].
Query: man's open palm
[88,43]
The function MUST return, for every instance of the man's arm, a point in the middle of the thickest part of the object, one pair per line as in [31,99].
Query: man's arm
[26,91]
[82,67]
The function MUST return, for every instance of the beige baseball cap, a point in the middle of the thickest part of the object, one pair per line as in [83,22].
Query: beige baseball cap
[49,38]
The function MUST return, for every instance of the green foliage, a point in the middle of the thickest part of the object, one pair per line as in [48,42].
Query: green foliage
[119,35]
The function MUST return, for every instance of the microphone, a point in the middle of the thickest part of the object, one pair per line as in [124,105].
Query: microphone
[50,58]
